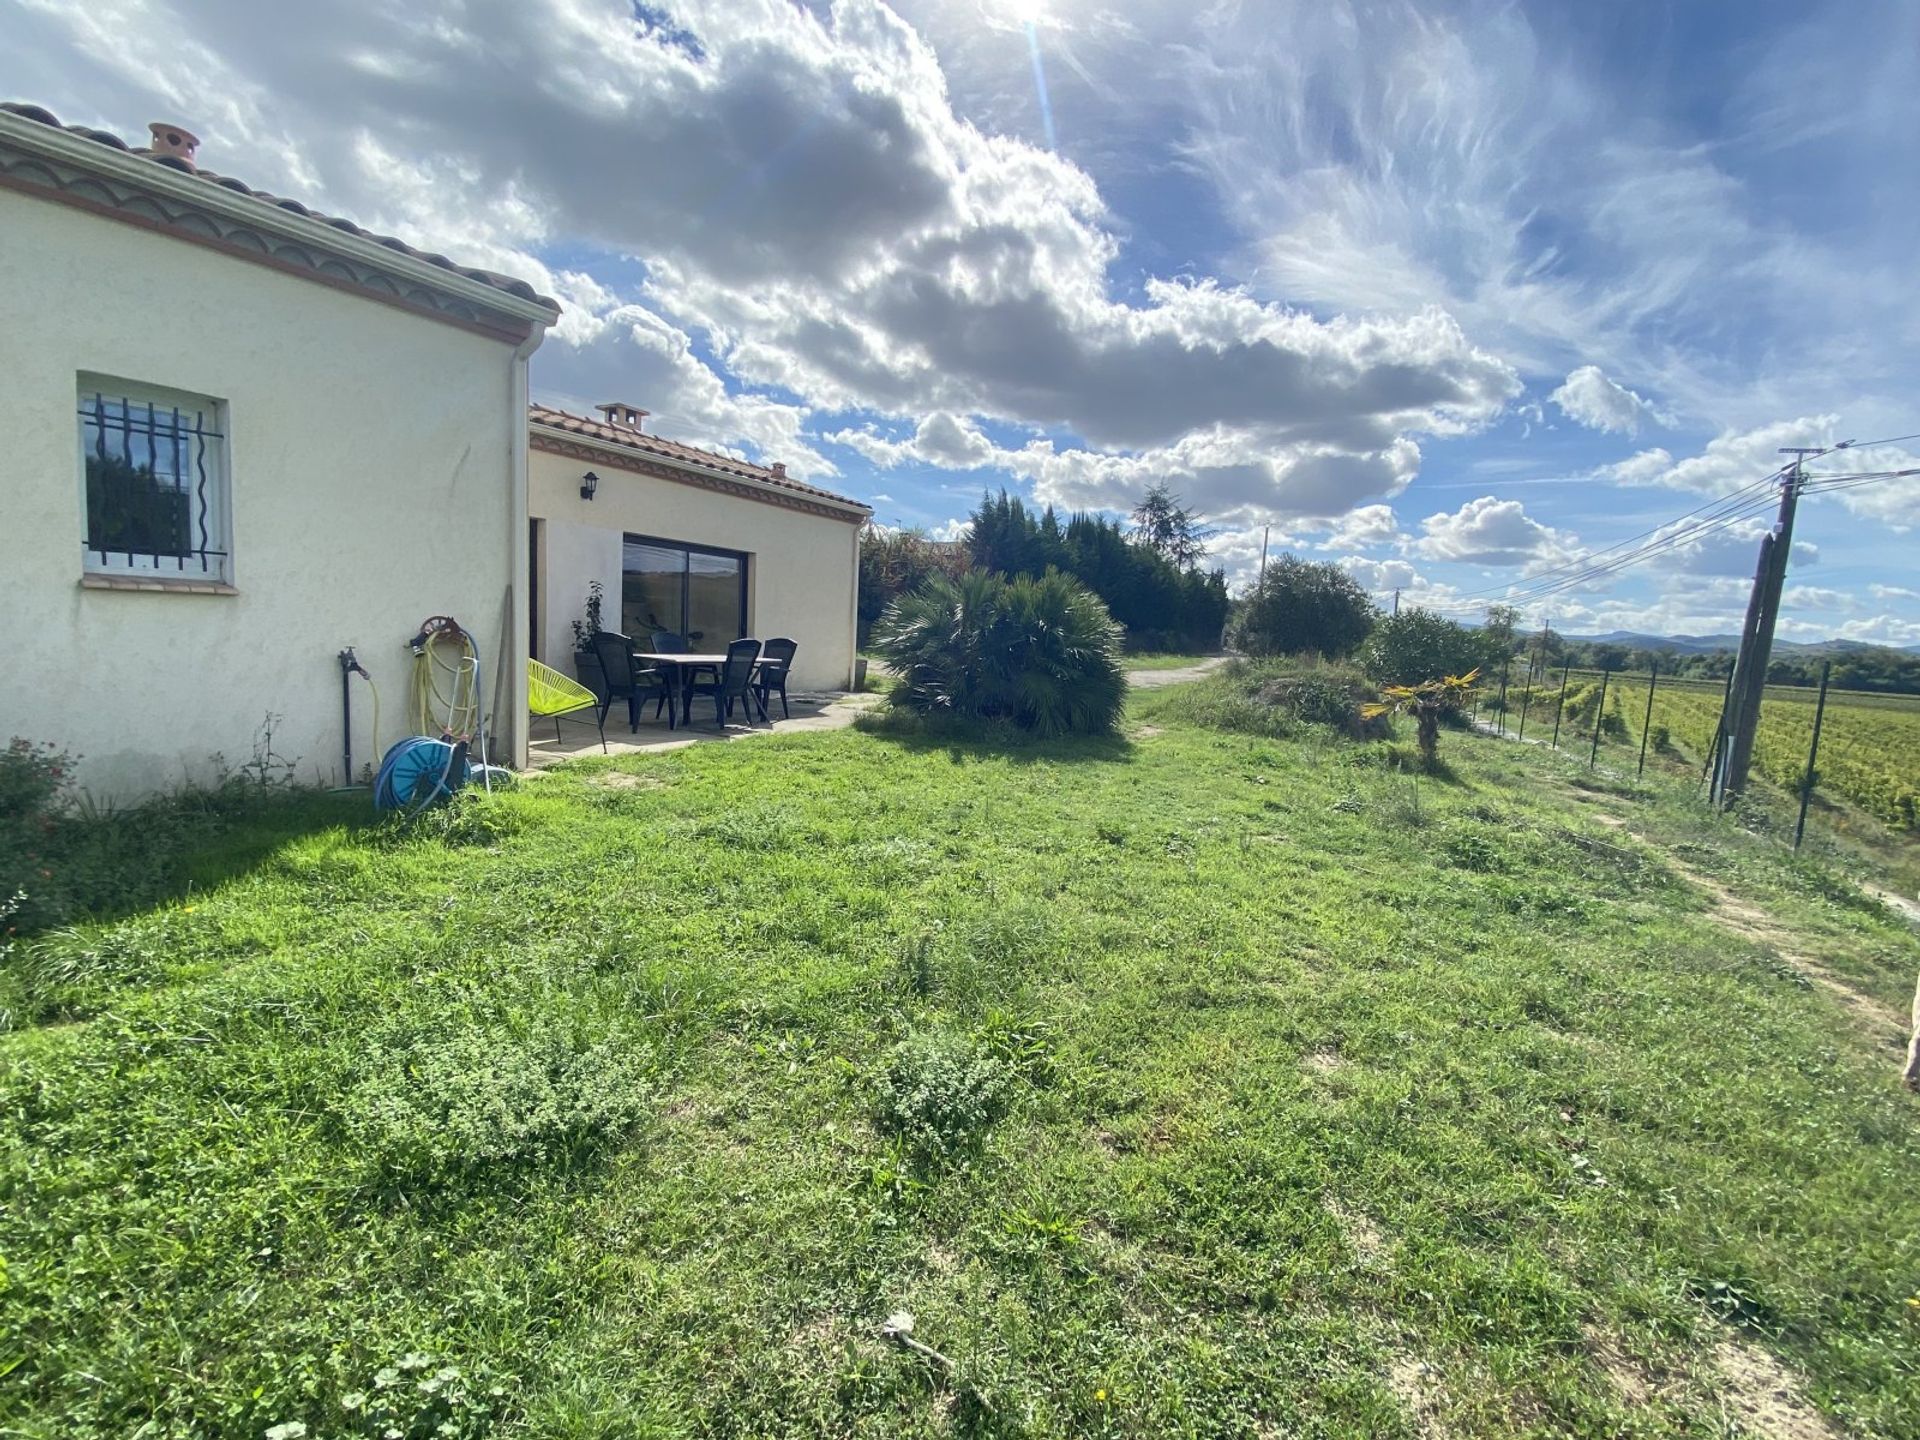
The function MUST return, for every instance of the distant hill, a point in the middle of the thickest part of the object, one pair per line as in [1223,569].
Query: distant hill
[1707,644]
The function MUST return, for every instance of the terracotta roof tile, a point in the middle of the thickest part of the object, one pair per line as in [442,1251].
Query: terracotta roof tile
[673,450]
[506,283]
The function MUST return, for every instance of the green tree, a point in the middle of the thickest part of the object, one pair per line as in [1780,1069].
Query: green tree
[1417,645]
[1160,604]
[1302,606]
[1498,635]
[896,562]
[1162,523]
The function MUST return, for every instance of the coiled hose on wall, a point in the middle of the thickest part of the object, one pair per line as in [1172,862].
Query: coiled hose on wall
[444,695]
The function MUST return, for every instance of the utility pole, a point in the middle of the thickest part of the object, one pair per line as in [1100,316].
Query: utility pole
[1396,599]
[1756,641]
[1265,531]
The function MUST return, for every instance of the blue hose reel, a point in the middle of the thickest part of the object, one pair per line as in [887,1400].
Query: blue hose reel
[418,771]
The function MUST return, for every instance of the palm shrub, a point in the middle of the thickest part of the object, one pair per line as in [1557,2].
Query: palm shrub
[1040,652]
[1429,702]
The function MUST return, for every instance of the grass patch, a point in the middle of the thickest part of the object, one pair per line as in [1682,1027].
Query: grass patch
[1236,1082]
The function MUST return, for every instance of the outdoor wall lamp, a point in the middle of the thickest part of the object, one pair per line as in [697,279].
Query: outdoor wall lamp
[589,483]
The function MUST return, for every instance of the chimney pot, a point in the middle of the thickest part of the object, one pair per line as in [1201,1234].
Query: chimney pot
[623,415]
[779,469]
[174,140]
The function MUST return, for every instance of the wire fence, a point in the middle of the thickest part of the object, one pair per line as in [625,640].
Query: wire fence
[1861,747]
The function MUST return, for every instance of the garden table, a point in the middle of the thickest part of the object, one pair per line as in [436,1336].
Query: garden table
[685,666]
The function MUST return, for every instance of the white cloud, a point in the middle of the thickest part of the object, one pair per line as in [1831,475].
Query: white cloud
[1492,532]
[654,366]
[949,442]
[1817,597]
[1380,577]
[1893,592]
[1593,400]
[951,530]
[1364,528]
[1729,461]
[1407,154]
[1736,459]
[1881,630]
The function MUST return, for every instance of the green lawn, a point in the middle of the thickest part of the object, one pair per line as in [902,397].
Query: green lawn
[1249,1087]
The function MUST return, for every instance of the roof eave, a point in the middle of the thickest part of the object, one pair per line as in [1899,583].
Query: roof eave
[144,173]
[614,450]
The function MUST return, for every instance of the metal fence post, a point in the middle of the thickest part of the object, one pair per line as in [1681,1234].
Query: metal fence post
[1526,700]
[1646,721]
[1599,719]
[1813,751]
[1560,704]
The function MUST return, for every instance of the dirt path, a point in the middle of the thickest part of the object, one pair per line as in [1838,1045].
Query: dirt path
[1154,679]
[1875,1019]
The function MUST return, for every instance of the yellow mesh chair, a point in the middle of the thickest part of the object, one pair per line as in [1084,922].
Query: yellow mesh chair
[551,695]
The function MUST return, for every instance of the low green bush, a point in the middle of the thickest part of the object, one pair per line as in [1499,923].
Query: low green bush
[35,781]
[1277,698]
[940,1091]
[1040,653]
[432,1098]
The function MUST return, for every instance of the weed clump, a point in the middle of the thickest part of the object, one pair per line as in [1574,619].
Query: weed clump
[433,1100]
[940,1091]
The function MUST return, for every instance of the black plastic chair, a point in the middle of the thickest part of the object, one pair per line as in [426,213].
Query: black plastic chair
[629,680]
[734,682]
[776,660]
[669,642]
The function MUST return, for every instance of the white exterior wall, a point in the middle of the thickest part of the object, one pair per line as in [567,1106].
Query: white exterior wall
[371,453]
[801,569]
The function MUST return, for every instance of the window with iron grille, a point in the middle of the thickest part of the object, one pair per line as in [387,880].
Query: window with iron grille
[155,466]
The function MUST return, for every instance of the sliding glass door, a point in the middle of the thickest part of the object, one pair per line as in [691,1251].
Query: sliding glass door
[692,590]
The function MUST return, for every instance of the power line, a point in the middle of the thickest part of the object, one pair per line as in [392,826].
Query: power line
[1713,517]
[1753,489]
[1709,518]
[1731,510]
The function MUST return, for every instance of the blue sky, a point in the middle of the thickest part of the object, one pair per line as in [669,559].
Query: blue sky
[1451,294]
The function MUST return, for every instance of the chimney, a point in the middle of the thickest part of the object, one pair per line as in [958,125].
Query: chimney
[174,141]
[623,415]
[779,469]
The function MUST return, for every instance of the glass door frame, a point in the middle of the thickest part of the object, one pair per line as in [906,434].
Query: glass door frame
[661,542]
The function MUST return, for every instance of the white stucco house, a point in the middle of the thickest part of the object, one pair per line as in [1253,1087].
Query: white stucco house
[242,436]
[686,540]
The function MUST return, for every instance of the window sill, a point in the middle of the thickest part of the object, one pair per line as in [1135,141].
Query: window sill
[176,583]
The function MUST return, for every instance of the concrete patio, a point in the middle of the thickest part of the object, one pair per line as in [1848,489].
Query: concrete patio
[578,737]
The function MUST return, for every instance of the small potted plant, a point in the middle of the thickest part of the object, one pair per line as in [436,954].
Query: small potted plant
[586,660]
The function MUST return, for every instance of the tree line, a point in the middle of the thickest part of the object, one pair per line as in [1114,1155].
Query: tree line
[1149,575]
[1879,669]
